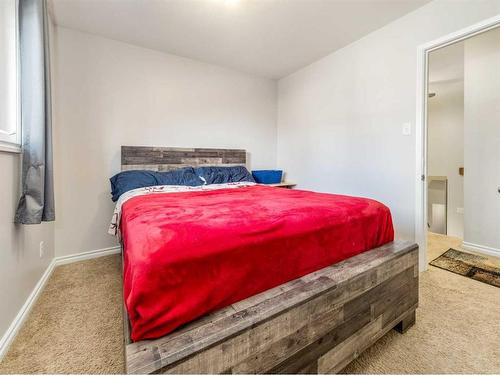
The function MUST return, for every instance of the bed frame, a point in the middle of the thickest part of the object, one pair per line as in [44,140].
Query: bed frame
[315,324]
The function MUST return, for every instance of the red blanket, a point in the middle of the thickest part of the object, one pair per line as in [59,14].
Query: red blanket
[190,253]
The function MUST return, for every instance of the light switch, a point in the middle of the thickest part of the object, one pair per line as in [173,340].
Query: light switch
[407,128]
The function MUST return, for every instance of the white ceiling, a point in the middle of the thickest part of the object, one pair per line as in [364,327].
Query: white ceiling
[270,38]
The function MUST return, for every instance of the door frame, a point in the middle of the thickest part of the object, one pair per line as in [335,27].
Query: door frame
[421,123]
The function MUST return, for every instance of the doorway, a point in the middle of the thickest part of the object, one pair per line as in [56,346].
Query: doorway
[458,140]
[445,141]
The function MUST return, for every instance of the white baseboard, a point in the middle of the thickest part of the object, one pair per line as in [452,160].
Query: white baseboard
[481,249]
[21,316]
[66,259]
[7,339]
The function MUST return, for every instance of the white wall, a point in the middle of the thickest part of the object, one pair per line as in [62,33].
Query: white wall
[20,264]
[110,94]
[482,140]
[340,119]
[445,137]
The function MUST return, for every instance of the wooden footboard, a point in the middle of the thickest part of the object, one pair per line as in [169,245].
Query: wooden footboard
[318,323]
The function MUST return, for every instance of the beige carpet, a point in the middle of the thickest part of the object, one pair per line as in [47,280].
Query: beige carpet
[76,325]
[457,328]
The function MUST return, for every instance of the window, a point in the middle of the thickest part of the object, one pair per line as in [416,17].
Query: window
[10,130]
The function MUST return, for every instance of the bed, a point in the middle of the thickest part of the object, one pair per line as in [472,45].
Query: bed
[249,279]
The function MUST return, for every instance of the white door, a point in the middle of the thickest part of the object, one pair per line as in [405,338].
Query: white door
[482,140]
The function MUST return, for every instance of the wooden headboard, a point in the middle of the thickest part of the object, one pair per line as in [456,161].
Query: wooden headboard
[169,158]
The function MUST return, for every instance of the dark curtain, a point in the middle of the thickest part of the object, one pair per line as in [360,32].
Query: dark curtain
[37,200]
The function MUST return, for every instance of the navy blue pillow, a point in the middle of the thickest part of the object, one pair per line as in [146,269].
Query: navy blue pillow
[129,180]
[221,175]
[183,176]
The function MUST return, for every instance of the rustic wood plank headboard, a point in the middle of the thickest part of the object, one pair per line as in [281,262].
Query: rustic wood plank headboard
[169,158]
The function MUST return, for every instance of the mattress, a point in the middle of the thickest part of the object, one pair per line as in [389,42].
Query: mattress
[188,253]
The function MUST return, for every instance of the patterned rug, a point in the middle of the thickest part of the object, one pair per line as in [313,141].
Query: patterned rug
[470,265]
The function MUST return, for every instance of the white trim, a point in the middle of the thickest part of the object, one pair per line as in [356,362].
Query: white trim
[7,339]
[19,125]
[421,124]
[9,137]
[458,36]
[421,152]
[18,321]
[481,249]
[10,147]
[66,259]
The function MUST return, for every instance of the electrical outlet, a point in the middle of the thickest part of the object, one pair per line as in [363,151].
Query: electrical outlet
[460,210]
[42,249]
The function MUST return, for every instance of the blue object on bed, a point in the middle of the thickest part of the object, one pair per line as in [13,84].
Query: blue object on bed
[221,175]
[129,180]
[268,176]
[182,176]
